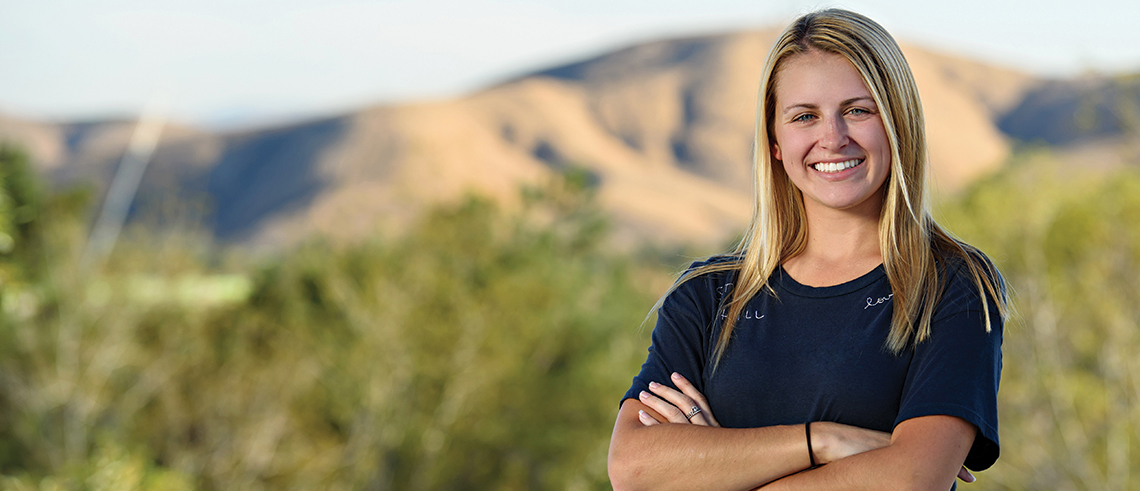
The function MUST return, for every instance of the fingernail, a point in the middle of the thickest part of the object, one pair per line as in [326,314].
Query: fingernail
[641,414]
[654,385]
[644,395]
[971,477]
[676,376]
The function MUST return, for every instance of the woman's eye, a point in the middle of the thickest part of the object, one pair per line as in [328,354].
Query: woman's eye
[803,117]
[858,111]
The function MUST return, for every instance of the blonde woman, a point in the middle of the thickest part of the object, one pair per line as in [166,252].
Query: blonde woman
[849,342]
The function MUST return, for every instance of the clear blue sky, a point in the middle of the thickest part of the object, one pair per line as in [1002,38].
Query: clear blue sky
[226,61]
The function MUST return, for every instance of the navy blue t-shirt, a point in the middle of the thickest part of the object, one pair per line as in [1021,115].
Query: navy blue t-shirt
[818,354]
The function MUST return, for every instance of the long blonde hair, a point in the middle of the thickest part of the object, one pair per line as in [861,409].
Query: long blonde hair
[910,241]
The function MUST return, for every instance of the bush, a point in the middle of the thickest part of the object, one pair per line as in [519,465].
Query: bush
[1068,243]
[479,351]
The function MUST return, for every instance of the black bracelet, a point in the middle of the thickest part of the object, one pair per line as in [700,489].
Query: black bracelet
[811,454]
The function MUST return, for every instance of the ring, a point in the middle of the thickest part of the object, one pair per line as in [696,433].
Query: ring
[693,412]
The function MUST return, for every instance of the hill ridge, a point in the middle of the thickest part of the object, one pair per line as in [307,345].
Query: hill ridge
[664,127]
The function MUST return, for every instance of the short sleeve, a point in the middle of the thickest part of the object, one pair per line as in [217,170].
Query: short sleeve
[681,337]
[957,370]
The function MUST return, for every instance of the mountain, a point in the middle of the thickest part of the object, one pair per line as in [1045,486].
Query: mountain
[1067,112]
[664,128]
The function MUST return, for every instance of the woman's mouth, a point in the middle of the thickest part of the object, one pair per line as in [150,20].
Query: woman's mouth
[833,167]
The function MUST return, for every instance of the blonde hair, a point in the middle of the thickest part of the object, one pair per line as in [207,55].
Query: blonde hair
[910,241]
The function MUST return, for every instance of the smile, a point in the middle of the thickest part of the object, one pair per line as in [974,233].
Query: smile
[831,167]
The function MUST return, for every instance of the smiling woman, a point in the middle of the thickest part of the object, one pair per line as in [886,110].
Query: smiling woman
[829,135]
[849,342]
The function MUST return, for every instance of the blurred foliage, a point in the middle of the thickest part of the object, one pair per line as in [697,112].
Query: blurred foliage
[21,203]
[483,349]
[1068,243]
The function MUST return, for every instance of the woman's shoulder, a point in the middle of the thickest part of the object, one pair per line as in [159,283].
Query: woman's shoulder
[968,275]
[717,269]
[964,262]
[718,261]
[700,289]
[712,275]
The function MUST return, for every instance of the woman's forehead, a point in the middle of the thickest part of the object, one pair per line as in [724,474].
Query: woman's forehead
[818,77]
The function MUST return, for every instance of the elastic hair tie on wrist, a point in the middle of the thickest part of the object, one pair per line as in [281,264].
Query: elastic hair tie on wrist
[811,454]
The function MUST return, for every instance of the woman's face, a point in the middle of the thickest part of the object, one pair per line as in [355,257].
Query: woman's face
[829,134]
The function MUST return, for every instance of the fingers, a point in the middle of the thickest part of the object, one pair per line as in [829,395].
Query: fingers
[965,475]
[673,406]
[688,389]
[646,419]
[682,402]
[667,410]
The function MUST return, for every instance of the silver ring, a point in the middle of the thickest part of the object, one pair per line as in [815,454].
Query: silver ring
[693,412]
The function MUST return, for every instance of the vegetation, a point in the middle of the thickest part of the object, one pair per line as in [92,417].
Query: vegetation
[1069,245]
[484,349]
[478,351]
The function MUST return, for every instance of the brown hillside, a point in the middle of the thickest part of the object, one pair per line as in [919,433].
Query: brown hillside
[665,127]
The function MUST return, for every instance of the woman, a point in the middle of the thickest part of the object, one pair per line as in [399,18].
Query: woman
[849,342]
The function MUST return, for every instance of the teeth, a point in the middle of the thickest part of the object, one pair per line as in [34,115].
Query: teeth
[837,166]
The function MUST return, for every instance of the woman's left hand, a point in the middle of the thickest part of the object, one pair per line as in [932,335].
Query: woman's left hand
[676,406]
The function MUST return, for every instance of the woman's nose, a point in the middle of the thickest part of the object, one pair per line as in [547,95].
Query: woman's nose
[834,134]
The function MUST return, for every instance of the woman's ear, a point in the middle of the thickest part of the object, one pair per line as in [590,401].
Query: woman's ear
[776,152]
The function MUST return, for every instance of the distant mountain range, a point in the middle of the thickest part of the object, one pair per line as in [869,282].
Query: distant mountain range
[664,129]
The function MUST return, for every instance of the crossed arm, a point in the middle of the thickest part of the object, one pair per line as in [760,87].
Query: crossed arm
[654,446]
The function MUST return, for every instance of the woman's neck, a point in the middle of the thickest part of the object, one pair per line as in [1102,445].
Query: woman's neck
[841,245]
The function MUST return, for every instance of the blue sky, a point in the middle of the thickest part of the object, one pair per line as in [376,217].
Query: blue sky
[226,62]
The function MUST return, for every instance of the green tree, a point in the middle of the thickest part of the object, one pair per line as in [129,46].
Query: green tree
[480,350]
[1069,245]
